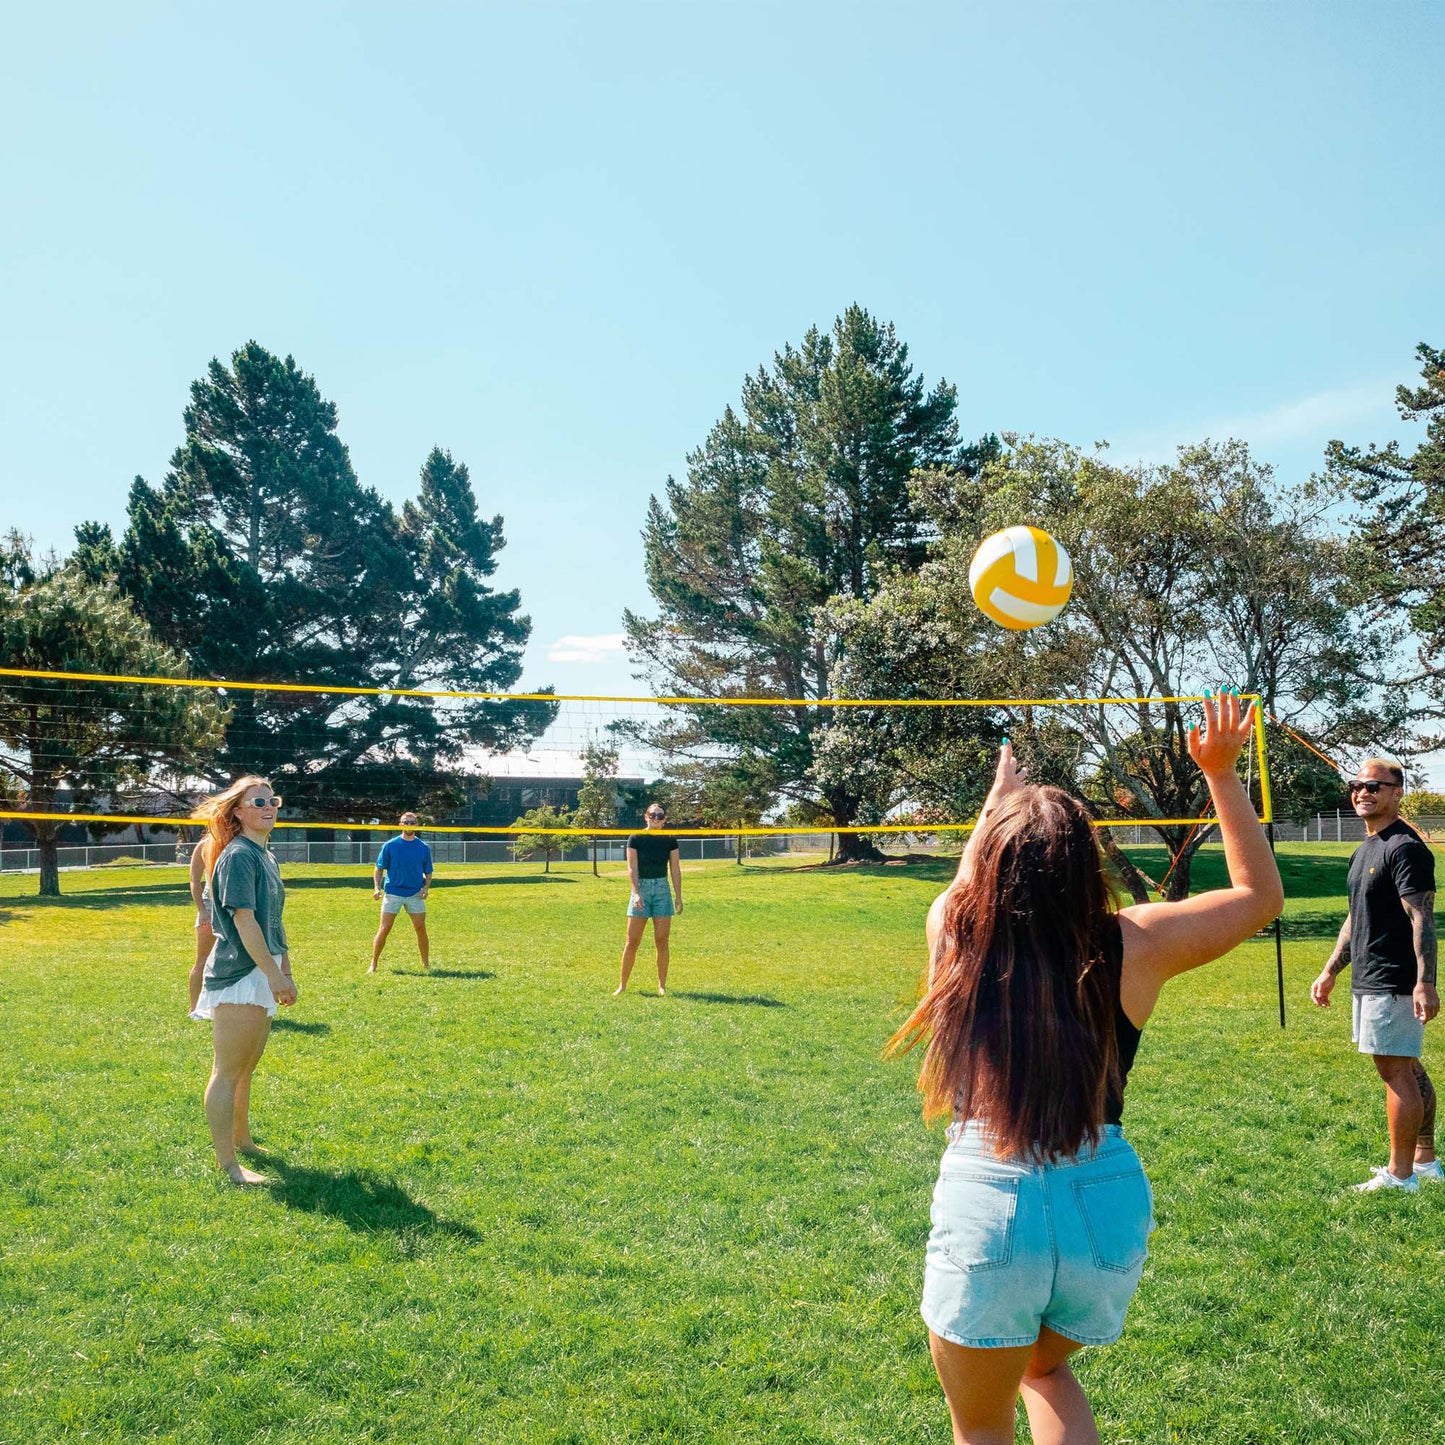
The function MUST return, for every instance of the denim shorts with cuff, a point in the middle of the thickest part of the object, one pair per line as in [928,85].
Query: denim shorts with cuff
[656,896]
[1017,1245]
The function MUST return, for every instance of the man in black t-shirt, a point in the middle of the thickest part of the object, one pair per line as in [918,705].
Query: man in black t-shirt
[651,857]
[1388,943]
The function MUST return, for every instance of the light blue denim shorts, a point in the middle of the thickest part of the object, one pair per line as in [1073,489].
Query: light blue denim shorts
[1016,1246]
[656,895]
[1385,1023]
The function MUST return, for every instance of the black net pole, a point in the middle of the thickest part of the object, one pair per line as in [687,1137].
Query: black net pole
[1278,941]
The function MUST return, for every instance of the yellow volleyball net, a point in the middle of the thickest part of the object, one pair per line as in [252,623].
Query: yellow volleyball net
[106,752]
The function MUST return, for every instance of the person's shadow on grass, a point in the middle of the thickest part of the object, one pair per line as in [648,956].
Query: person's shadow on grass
[299,1026]
[359,1200]
[757,1000]
[473,974]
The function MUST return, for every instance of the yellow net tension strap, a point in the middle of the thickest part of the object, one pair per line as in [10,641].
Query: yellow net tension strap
[221,683]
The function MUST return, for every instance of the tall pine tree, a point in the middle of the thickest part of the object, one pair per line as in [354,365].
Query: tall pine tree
[261,557]
[799,497]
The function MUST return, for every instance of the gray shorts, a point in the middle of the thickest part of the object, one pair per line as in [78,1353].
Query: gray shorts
[1385,1023]
[395,902]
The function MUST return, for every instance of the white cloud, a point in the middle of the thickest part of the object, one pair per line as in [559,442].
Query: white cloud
[602,648]
[1309,421]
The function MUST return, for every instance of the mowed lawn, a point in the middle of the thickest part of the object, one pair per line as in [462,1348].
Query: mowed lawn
[511,1208]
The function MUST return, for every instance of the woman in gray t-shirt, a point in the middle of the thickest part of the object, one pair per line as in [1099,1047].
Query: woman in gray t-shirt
[248,971]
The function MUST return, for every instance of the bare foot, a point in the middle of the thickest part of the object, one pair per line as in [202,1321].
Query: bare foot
[248,1146]
[618,990]
[247,1178]
[426,967]
[372,969]
[661,992]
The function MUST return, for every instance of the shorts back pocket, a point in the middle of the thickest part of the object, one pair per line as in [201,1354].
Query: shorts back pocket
[1118,1214]
[973,1219]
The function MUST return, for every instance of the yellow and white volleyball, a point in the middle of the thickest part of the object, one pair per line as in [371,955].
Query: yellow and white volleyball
[1021,577]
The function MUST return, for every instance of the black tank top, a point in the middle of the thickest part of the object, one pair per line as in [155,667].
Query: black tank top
[1128,1035]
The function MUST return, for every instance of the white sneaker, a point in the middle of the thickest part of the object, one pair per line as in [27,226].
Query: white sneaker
[1383,1179]
[1430,1173]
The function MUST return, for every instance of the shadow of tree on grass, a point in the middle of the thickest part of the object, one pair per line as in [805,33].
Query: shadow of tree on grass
[358,1200]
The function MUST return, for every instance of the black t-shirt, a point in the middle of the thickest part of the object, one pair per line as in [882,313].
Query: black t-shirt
[1392,865]
[653,851]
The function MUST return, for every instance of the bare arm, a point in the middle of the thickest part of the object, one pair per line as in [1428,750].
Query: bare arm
[198,874]
[1165,939]
[1335,965]
[632,874]
[674,865]
[378,877]
[425,885]
[254,941]
[1421,910]
[1007,778]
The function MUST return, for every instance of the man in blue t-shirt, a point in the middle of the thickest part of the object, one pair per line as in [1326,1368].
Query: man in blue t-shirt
[402,879]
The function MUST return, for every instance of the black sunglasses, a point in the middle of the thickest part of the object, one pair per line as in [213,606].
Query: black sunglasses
[260,801]
[656,813]
[1368,785]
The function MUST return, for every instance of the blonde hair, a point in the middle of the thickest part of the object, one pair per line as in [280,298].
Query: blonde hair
[1389,765]
[219,815]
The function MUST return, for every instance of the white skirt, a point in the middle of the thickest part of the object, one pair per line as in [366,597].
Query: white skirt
[251,989]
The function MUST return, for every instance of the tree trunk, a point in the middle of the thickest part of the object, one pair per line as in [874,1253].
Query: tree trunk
[45,840]
[1177,884]
[594,856]
[1130,876]
[852,847]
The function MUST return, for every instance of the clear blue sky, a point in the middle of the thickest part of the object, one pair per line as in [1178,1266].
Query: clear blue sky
[553,237]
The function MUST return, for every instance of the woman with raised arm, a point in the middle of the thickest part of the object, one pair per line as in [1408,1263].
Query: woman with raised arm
[249,970]
[1037,994]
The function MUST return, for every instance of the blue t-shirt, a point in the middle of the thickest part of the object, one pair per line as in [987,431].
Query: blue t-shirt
[406,863]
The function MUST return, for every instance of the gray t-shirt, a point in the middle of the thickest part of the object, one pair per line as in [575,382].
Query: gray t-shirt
[246,876]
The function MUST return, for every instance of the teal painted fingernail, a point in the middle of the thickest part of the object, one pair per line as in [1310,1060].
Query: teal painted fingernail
[1005,742]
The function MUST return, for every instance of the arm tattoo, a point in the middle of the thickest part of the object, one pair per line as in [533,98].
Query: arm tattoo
[1421,908]
[1339,960]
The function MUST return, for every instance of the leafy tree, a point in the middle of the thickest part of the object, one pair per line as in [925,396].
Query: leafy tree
[1186,576]
[262,558]
[1421,803]
[798,498]
[91,743]
[1404,525]
[597,797]
[530,840]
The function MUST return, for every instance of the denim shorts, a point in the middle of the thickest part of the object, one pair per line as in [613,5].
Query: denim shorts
[1016,1246]
[1385,1023]
[656,896]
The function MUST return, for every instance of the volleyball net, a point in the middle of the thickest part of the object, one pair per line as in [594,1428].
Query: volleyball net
[112,751]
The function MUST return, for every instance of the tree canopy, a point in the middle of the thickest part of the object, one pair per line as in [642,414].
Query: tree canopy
[92,746]
[798,498]
[261,557]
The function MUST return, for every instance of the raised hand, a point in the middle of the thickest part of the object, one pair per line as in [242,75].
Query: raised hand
[1217,743]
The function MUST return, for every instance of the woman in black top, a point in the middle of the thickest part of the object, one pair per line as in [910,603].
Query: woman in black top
[1036,996]
[651,857]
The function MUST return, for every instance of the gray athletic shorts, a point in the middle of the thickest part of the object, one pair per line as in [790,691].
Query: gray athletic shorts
[1385,1023]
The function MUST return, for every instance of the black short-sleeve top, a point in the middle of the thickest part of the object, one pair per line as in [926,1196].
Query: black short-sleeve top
[1396,863]
[653,850]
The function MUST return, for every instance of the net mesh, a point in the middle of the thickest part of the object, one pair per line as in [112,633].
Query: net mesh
[116,751]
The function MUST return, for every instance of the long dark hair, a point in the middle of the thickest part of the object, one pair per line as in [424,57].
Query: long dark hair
[1020,1012]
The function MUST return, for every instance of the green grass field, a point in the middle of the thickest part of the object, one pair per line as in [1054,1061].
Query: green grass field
[511,1208]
